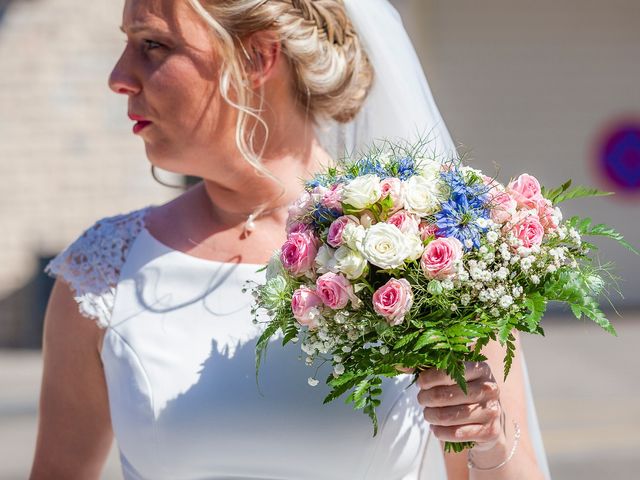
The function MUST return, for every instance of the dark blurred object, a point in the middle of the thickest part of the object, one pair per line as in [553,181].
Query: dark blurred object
[25,330]
[618,155]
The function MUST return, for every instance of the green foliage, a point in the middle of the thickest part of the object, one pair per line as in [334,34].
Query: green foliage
[262,344]
[537,305]
[572,286]
[457,447]
[584,227]
[350,210]
[511,351]
[591,309]
[428,338]
[290,332]
[564,193]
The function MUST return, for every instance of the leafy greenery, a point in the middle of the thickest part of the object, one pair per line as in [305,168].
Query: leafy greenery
[584,227]
[564,193]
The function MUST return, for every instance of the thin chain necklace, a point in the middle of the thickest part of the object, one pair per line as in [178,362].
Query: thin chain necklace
[250,224]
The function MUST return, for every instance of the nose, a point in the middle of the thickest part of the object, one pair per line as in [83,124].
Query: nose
[123,79]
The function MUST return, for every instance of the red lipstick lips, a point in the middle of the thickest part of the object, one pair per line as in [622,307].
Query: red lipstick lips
[141,122]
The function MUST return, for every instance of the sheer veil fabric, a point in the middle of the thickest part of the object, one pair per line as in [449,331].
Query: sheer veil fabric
[401,106]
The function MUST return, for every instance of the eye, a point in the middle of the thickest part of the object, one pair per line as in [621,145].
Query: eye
[151,45]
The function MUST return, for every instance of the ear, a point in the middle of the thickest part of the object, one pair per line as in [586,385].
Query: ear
[263,50]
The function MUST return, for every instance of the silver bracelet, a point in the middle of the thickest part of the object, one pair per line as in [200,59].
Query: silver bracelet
[516,440]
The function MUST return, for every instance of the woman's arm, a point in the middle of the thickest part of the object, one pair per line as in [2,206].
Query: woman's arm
[477,417]
[74,428]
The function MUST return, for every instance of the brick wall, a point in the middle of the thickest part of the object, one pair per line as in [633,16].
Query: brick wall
[67,154]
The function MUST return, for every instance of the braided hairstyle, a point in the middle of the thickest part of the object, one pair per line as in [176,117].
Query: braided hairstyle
[332,73]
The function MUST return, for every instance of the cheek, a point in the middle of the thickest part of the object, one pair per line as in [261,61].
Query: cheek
[187,98]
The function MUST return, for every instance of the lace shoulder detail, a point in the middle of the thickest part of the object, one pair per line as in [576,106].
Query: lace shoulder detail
[91,265]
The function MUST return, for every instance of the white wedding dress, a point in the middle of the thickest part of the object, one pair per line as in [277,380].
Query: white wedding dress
[179,346]
[179,361]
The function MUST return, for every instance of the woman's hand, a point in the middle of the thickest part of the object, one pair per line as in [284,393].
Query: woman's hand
[458,417]
[479,417]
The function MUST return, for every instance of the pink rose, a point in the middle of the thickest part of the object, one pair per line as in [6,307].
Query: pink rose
[503,207]
[332,198]
[300,208]
[406,222]
[427,230]
[298,227]
[393,300]
[529,231]
[299,252]
[440,257]
[490,182]
[547,215]
[525,190]
[392,187]
[334,236]
[335,290]
[305,305]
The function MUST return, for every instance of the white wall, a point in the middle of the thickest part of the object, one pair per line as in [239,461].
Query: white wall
[529,85]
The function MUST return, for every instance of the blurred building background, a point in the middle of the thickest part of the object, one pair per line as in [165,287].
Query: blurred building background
[67,154]
[547,87]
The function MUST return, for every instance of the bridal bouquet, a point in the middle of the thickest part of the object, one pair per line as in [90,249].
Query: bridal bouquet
[396,259]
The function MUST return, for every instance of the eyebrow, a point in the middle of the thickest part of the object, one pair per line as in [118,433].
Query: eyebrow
[140,27]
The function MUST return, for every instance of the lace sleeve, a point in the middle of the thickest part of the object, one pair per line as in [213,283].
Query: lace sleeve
[91,265]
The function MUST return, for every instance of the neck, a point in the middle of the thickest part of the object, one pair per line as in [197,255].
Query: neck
[231,205]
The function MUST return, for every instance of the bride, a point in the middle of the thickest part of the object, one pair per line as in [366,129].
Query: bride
[252,96]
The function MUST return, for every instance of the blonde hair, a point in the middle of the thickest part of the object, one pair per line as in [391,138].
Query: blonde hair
[332,73]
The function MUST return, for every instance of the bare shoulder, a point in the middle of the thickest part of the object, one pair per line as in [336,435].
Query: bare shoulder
[65,323]
[74,425]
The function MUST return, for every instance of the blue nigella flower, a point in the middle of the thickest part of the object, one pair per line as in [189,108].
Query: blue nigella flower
[324,216]
[313,183]
[406,168]
[476,193]
[320,180]
[366,166]
[459,219]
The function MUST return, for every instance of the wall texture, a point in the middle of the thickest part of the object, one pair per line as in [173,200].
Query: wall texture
[67,154]
[530,85]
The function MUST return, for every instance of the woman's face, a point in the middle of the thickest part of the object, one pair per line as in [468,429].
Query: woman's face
[169,71]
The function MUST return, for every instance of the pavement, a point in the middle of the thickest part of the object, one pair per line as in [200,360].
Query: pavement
[585,385]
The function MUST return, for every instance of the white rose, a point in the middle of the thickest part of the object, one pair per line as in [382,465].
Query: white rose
[386,157]
[362,192]
[325,260]
[385,246]
[415,247]
[350,262]
[352,236]
[430,169]
[421,195]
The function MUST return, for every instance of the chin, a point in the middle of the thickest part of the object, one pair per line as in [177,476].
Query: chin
[161,158]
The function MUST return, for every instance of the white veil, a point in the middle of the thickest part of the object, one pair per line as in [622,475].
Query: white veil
[401,106]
